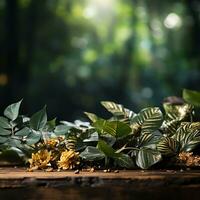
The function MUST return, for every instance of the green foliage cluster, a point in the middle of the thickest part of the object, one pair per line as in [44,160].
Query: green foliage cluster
[126,140]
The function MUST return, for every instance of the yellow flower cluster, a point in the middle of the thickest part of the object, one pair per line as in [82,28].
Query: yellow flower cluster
[40,160]
[68,160]
[44,158]
[189,159]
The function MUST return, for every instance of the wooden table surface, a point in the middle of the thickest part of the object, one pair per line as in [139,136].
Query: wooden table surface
[20,177]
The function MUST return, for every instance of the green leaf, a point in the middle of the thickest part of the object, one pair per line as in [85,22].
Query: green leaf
[114,128]
[23,132]
[192,97]
[3,140]
[4,123]
[91,116]
[124,160]
[39,119]
[147,140]
[168,146]
[92,153]
[169,127]
[33,137]
[146,157]
[150,119]
[177,112]
[61,129]
[12,111]
[118,109]
[94,137]
[188,135]
[106,149]
[50,126]
[4,132]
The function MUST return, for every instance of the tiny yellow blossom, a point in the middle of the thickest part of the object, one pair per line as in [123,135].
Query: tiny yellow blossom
[40,160]
[68,160]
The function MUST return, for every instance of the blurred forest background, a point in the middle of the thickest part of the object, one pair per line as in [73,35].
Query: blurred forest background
[71,54]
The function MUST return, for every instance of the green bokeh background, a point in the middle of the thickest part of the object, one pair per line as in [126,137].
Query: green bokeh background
[71,54]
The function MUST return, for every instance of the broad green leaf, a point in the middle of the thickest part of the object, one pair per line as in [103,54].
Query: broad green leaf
[192,97]
[168,146]
[12,111]
[13,142]
[114,128]
[61,129]
[33,137]
[50,126]
[91,116]
[92,153]
[4,132]
[3,140]
[106,149]
[118,109]
[23,132]
[146,157]
[150,119]
[39,119]
[4,123]
[124,160]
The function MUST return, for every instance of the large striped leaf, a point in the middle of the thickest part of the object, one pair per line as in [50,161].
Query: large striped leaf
[188,138]
[150,119]
[188,126]
[118,109]
[177,112]
[146,157]
[149,140]
[168,146]
[169,128]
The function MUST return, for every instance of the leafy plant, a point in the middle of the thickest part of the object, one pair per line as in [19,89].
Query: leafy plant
[125,140]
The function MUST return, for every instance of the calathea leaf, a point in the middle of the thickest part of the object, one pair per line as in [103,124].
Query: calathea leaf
[148,140]
[118,109]
[187,136]
[4,132]
[114,128]
[4,123]
[39,119]
[124,160]
[92,153]
[192,97]
[12,111]
[169,127]
[91,116]
[150,119]
[177,112]
[168,146]
[146,157]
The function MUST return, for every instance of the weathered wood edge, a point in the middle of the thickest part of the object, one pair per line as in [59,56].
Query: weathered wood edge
[19,178]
